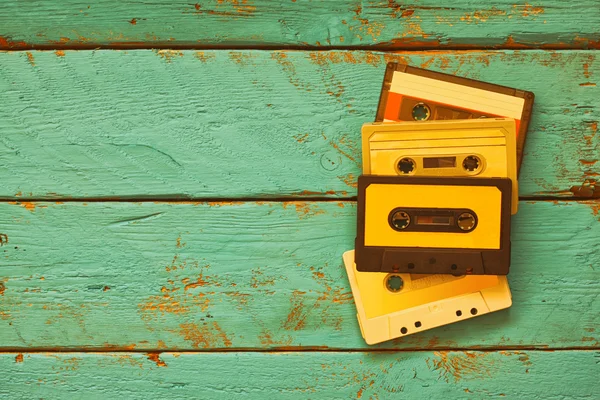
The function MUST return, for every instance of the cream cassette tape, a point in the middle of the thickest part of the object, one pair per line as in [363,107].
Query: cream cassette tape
[478,148]
[415,94]
[395,305]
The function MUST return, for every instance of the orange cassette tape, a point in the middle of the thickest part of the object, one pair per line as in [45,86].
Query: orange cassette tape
[415,94]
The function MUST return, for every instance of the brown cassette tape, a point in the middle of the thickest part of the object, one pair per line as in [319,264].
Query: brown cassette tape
[415,94]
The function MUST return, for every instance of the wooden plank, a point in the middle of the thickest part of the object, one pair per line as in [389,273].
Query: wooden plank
[391,24]
[430,375]
[239,124]
[260,275]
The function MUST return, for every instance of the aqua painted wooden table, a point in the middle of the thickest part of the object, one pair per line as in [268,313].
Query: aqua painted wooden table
[177,186]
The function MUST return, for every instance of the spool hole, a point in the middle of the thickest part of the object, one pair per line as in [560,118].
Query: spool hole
[471,163]
[400,220]
[466,221]
[458,313]
[403,330]
[394,283]
[421,112]
[406,165]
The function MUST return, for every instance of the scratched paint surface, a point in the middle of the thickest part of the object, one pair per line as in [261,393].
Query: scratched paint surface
[259,275]
[240,124]
[393,24]
[430,375]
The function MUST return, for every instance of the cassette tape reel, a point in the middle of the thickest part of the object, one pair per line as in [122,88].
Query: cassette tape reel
[469,148]
[415,94]
[429,225]
[394,305]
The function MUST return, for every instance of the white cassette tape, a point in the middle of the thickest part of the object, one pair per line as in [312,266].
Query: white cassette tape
[392,305]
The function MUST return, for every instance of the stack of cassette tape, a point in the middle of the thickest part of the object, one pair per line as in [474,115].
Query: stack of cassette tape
[435,200]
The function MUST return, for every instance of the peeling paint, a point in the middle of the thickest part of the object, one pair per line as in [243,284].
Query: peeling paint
[155,357]
[453,366]
[204,335]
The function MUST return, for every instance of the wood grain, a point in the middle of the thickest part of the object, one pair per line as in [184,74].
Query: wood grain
[268,275]
[251,23]
[432,375]
[248,124]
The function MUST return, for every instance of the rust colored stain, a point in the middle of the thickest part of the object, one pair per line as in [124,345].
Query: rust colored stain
[133,21]
[114,347]
[290,69]
[259,279]
[19,358]
[265,338]
[206,335]
[240,58]
[240,8]
[586,70]
[454,366]
[202,56]
[529,10]
[512,44]
[7,43]
[296,316]
[30,59]
[588,162]
[3,239]
[155,357]
[301,138]
[349,180]
[199,282]
[318,275]
[173,299]
[482,16]
[2,289]
[29,205]
[304,209]
[59,53]
[178,243]
[587,84]
[106,289]
[169,55]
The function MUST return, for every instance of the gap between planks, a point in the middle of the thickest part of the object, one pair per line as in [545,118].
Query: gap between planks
[278,47]
[218,200]
[292,349]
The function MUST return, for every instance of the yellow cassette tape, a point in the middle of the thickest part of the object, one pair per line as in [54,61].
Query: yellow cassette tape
[481,148]
[430,225]
[394,305]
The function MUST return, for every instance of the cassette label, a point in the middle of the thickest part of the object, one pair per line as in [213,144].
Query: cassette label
[391,305]
[414,94]
[475,148]
[433,225]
